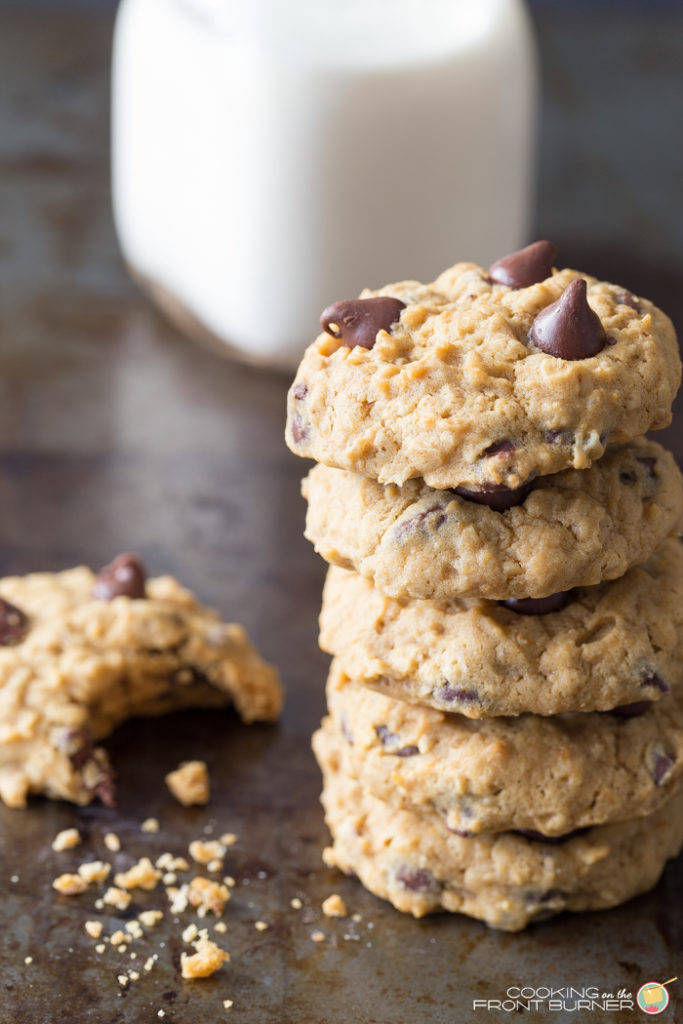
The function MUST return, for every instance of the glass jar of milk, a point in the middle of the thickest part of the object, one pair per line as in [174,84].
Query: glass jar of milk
[273,156]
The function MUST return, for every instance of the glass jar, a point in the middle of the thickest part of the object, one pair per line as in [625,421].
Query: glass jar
[273,156]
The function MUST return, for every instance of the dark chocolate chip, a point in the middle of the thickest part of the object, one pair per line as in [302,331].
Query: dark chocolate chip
[358,321]
[13,624]
[299,429]
[431,518]
[346,730]
[546,896]
[649,463]
[559,436]
[463,833]
[496,496]
[300,391]
[627,476]
[627,299]
[124,577]
[569,328]
[504,447]
[409,751]
[539,837]
[538,605]
[385,735]
[526,267]
[663,763]
[634,710]
[654,680]
[453,694]
[417,880]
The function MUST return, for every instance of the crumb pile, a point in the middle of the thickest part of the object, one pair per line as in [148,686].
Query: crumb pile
[504,602]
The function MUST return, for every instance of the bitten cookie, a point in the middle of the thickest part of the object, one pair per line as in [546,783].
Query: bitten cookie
[506,880]
[80,653]
[575,528]
[468,381]
[548,774]
[617,643]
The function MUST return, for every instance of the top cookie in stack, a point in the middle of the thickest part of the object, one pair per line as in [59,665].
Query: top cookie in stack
[503,543]
[483,380]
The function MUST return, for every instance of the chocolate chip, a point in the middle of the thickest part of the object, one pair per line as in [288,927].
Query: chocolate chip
[634,710]
[417,880]
[409,751]
[124,577]
[654,680]
[387,737]
[627,299]
[453,694]
[463,833]
[526,267]
[546,896]
[627,476]
[358,321]
[538,605]
[300,391]
[649,463]
[504,447]
[559,436]
[569,328]
[431,518]
[663,762]
[13,624]
[496,496]
[299,429]
[539,837]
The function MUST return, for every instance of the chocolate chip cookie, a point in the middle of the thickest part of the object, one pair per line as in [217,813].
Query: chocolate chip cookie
[616,643]
[505,879]
[79,653]
[472,382]
[569,529]
[551,775]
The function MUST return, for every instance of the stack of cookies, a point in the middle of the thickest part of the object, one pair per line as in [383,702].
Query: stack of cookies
[505,598]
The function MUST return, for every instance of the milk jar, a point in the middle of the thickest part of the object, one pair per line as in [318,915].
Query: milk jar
[273,156]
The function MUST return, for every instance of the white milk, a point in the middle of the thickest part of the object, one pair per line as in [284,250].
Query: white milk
[272,157]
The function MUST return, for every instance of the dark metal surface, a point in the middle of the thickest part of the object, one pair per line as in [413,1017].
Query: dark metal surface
[117,434]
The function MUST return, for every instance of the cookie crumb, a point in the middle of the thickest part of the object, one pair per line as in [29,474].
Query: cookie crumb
[228,839]
[220,926]
[133,928]
[189,783]
[356,918]
[206,961]
[66,839]
[260,926]
[207,895]
[94,871]
[112,842]
[296,903]
[204,851]
[93,929]
[150,918]
[227,1003]
[178,898]
[190,933]
[142,875]
[149,963]
[119,938]
[100,947]
[318,936]
[229,881]
[214,865]
[334,906]
[28,959]
[123,980]
[69,885]
[150,825]
[161,1013]
[115,897]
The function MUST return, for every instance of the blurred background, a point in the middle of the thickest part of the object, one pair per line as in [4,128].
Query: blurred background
[119,433]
